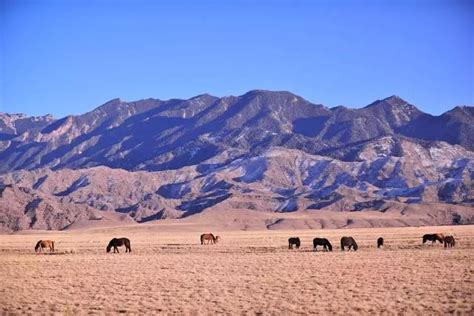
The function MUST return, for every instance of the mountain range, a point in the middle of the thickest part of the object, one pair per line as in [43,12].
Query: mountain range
[274,155]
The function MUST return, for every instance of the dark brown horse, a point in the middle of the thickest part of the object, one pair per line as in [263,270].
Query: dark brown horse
[119,242]
[294,241]
[433,238]
[322,242]
[380,242]
[43,244]
[209,238]
[348,242]
[449,241]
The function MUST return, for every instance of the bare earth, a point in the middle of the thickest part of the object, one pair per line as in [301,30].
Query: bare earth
[248,272]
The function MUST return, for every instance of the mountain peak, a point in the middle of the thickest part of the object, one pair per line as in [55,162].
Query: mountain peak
[391,101]
[268,93]
[461,112]
[395,99]
[110,104]
[394,104]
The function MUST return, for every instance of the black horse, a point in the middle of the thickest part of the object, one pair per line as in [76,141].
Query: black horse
[379,242]
[348,242]
[119,242]
[294,241]
[322,242]
[433,238]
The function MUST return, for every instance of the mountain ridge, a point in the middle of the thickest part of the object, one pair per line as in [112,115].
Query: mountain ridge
[173,133]
[271,154]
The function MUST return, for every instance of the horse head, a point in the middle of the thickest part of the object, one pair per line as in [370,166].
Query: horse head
[354,245]
[217,239]
[38,245]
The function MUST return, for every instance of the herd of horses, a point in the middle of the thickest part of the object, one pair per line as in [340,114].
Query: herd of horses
[347,243]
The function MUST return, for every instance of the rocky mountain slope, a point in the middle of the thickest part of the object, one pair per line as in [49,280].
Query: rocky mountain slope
[160,135]
[422,186]
[294,163]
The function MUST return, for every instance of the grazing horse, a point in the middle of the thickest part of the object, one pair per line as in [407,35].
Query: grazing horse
[449,242]
[43,244]
[294,241]
[433,238]
[210,238]
[119,242]
[348,242]
[379,242]
[322,242]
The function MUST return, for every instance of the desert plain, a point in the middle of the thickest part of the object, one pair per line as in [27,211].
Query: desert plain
[247,272]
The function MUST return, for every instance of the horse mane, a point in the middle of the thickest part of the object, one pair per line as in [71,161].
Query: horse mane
[354,244]
[329,245]
[38,244]
[110,245]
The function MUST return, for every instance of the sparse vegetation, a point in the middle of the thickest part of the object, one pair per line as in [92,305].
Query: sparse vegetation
[248,272]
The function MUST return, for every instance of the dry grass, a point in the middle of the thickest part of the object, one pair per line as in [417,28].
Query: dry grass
[248,272]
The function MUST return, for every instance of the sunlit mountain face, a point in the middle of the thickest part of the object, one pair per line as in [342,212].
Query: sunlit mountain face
[265,151]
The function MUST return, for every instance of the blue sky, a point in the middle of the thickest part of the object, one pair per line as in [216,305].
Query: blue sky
[68,57]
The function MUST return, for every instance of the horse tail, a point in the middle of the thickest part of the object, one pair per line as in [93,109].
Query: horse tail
[52,245]
[342,243]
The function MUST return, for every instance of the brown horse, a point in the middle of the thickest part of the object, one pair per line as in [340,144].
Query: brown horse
[119,242]
[348,242]
[449,242]
[43,244]
[210,238]
[433,238]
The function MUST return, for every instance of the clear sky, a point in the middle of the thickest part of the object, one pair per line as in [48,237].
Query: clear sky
[68,57]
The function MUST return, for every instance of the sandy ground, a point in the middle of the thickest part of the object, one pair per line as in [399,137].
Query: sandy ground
[248,272]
